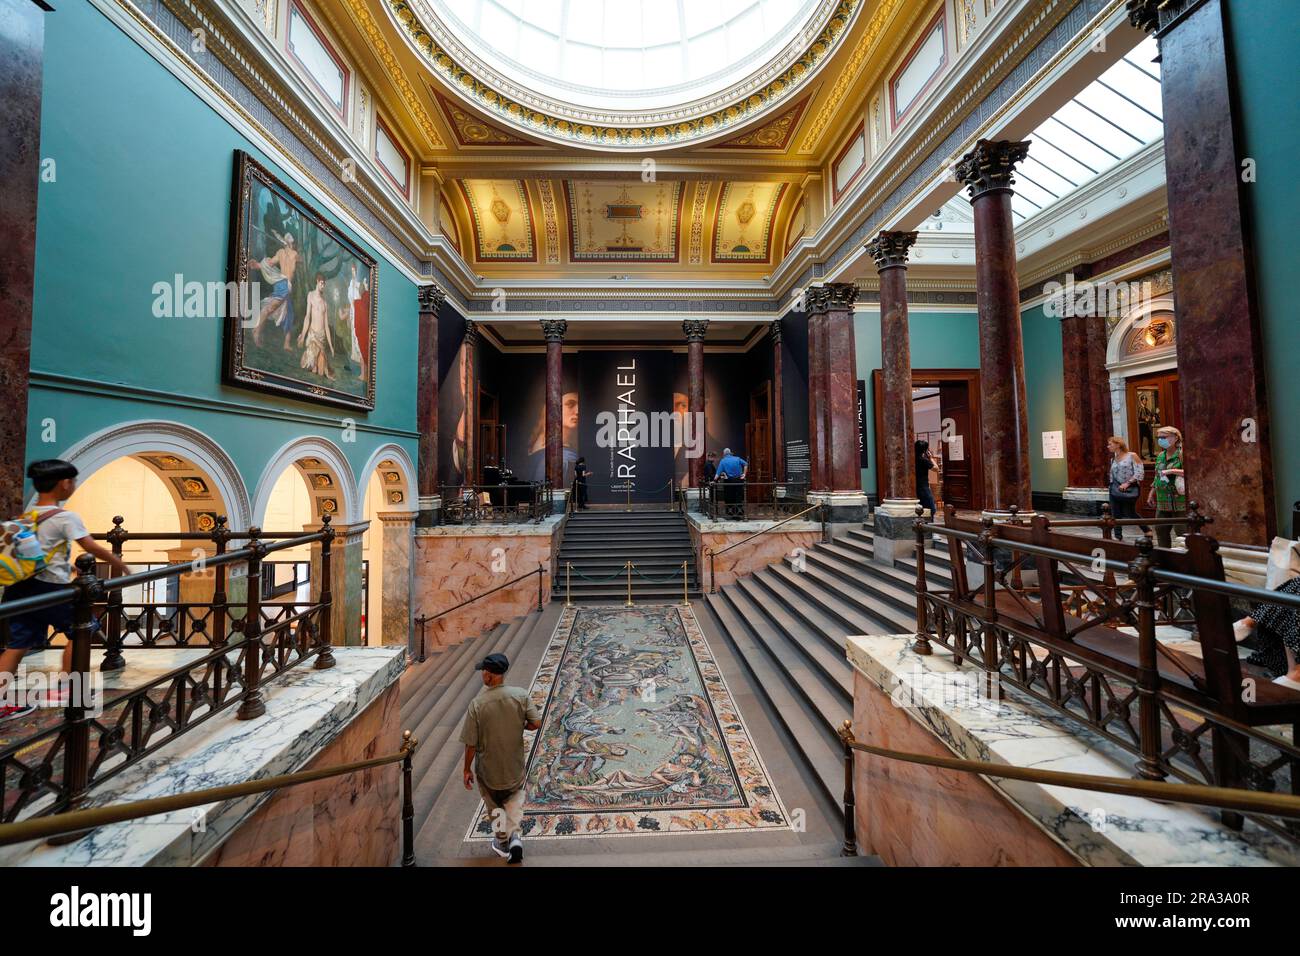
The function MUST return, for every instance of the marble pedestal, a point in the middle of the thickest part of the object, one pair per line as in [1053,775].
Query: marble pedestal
[894,530]
[428,515]
[846,509]
[398,544]
[790,541]
[910,814]
[1085,502]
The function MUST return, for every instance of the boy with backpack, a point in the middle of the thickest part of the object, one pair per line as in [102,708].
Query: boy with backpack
[54,530]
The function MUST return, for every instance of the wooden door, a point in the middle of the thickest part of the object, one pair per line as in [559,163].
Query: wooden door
[1153,402]
[758,439]
[956,404]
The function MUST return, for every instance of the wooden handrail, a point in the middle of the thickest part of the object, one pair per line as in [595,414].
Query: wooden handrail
[1223,798]
[78,821]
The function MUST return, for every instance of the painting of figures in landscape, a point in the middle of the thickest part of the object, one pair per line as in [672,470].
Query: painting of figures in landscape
[305,320]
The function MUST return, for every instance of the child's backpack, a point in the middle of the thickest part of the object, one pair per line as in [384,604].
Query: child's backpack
[21,554]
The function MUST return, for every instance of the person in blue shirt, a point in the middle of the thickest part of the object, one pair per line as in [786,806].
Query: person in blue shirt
[732,470]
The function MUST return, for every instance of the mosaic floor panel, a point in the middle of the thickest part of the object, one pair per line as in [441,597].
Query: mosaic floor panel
[639,734]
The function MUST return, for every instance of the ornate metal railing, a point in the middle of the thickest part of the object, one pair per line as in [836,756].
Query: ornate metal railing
[724,500]
[499,504]
[99,733]
[1098,659]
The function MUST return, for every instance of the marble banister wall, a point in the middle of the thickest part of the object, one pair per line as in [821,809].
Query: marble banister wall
[789,540]
[457,562]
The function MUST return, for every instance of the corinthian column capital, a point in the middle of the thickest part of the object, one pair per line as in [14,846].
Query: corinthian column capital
[553,329]
[694,329]
[889,249]
[990,166]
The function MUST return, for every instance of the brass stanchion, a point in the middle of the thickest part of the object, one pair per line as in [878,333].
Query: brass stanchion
[628,507]
[686,602]
[629,584]
[568,584]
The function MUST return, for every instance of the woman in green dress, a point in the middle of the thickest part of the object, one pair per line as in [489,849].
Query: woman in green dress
[1168,494]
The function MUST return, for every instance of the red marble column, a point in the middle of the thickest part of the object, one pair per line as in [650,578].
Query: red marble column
[1087,400]
[843,445]
[694,330]
[1220,347]
[469,359]
[426,413]
[554,330]
[818,479]
[987,171]
[22,48]
[898,464]
[778,405]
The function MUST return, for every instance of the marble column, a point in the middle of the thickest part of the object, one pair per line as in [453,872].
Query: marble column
[987,171]
[22,50]
[346,555]
[469,361]
[896,513]
[1087,413]
[694,330]
[778,405]
[1220,346]
[841,439]
[431,298]
[553,330]
[818,477]
[398,544]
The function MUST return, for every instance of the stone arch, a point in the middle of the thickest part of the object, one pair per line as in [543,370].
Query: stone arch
[397,472]
[201,478]
[325,469]
[1122,361]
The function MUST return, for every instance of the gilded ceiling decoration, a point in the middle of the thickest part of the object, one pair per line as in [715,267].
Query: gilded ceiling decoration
[742,228]
[501,218]
[709,117]
[697,222]
[774,136]
[623,221]
[469,130]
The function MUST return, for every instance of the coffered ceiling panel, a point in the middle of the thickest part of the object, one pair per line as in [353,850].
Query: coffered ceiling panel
[742,231]
[501,219]
[622,221]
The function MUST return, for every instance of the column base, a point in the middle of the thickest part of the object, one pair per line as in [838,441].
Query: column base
[430,507]
[1085,502]
[894,534]
[845,507]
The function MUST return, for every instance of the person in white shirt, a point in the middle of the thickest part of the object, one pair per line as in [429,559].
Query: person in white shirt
[56,530]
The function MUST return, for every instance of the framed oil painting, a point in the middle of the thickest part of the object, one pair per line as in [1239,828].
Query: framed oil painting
[304,323]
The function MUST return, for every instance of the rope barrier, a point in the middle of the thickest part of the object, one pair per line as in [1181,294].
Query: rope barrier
[673,578]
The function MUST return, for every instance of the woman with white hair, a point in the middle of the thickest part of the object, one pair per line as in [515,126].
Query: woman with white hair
[1168,494]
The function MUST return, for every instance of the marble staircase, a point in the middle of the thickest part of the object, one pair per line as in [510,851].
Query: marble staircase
[789,627]
[596,546]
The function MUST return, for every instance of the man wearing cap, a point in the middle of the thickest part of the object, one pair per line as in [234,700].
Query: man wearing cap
[493,736]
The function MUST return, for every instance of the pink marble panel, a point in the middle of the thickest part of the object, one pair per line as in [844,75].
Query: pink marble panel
[451,568]
[912,815]
[752,556]
[354,820]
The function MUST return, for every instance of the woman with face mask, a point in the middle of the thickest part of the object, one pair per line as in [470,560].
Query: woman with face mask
[1168,494]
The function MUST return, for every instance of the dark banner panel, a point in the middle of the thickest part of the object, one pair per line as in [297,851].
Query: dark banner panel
[613,386]
[794,390]
[451,398]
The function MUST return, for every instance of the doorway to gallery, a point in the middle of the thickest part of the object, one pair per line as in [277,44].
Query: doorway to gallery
[945,412]
[1153,402]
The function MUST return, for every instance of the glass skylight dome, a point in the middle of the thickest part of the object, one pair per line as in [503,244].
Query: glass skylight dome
[625,54]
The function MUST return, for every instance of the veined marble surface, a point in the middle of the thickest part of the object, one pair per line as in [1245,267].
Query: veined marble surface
[1101,829]
[545,527]
[305,710]
[144,665]
[706,525]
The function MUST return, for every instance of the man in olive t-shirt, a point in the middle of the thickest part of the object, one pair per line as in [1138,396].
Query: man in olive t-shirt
[493,736]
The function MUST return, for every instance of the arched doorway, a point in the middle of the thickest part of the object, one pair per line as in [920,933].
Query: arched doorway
[1142,362]
[306,481]
[387,546]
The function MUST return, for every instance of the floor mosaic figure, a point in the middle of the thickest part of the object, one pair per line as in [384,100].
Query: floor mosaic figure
[639,733]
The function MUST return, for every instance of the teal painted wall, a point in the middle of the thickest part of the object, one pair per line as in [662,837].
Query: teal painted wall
[951,340]
[143,192]
[1262,33]
[1045,387]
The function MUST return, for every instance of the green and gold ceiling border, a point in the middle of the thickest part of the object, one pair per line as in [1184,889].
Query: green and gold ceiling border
[715,117]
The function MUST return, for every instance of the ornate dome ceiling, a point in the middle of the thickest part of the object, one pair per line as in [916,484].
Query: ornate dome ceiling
[625,73]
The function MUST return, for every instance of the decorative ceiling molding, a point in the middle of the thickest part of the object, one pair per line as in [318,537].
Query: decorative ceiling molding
[384,53]
[757,95]
[867,44]
[774,136]
[471,131]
